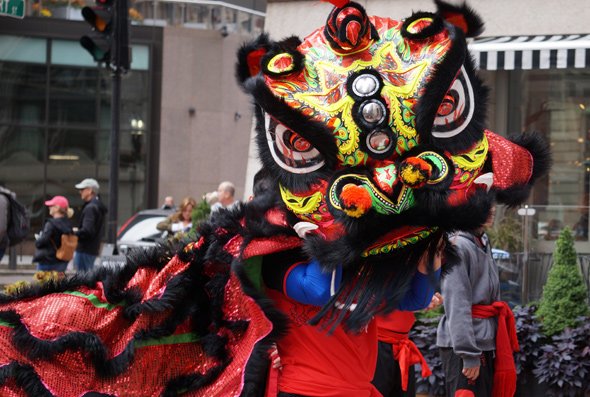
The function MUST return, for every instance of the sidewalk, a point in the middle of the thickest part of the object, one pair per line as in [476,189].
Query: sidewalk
[25,269]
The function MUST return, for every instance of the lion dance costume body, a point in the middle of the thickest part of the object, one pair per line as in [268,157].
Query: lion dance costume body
[371,133]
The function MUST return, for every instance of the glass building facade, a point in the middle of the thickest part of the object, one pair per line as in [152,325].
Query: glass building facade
[55,120]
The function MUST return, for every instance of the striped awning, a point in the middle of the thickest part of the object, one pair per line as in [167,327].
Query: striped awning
[532,52]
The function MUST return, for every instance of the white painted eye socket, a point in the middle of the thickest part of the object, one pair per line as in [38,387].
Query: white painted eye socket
[290,150]
[456,110]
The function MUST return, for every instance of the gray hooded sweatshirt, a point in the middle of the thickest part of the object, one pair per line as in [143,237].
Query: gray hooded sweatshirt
[473,281]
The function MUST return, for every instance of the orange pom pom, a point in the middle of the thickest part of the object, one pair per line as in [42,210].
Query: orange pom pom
[356,200]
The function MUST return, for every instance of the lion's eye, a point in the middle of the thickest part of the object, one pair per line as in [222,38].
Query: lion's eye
[290,150]
[456,110]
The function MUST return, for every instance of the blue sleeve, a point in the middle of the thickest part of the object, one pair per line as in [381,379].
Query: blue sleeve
[307,283]
[420,293]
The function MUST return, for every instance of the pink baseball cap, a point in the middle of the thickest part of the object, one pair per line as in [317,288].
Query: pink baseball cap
[60,201]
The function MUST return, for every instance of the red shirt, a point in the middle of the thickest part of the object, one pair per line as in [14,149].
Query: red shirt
[319,364]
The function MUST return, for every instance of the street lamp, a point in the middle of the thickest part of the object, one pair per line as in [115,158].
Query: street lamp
[525,212]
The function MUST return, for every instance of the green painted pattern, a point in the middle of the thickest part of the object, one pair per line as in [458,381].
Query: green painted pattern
[169,340]
[94,300]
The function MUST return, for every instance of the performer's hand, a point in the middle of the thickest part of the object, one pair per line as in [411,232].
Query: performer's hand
[274,357]
[471,373]
[435,302]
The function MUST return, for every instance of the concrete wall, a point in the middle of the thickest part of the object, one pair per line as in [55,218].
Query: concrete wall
[198,150]
[502,17]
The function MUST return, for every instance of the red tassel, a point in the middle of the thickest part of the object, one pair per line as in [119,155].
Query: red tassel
[338,3]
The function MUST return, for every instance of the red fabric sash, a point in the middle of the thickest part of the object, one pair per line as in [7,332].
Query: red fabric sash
[405,352]
[506,344]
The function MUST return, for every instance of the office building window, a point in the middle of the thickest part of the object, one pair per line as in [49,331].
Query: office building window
[55,122]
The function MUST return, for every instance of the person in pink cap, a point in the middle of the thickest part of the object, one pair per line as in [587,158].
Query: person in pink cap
[49,240]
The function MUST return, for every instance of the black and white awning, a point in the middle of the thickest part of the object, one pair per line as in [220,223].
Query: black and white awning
[532,52]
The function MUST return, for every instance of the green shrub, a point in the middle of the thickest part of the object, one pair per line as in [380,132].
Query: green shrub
[564,294]
[200,213]
[507,233]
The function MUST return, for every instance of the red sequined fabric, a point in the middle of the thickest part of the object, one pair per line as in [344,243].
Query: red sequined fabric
[512,164]
[155,362]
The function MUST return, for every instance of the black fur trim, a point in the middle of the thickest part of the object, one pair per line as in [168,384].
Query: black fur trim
[262,42]
[434,28]
[25,377]
[186,383]
[474,22]
[377,288]
[288,45]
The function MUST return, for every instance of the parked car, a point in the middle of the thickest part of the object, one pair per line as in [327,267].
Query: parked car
[140,230]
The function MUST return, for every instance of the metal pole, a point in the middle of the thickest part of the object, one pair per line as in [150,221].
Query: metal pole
[114,163]
[12,258]
[525,262]
[120,63]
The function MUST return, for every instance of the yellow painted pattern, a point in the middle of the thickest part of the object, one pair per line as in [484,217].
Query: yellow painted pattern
[475,158]
[301,205]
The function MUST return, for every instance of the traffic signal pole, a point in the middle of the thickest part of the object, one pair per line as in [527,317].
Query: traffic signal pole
[110,44]
[119,65]
[114,162]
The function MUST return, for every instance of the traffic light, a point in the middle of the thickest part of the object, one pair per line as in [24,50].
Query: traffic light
[121,54]
[101,19]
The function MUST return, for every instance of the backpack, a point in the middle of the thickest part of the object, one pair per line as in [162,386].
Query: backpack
[65,252]
[18,220]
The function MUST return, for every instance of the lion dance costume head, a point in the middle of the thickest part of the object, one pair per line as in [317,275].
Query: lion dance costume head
[374,131]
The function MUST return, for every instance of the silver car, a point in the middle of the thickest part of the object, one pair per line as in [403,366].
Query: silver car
[140,230]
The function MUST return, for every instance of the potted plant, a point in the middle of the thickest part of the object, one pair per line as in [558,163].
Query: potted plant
[565,297]
[564,363]
[423,334]
[564,360]
[530,338]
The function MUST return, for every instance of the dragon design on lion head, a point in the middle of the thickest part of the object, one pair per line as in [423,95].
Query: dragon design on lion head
[372,136]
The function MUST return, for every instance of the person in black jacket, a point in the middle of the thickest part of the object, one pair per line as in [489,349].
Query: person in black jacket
[90,229]
[49,240]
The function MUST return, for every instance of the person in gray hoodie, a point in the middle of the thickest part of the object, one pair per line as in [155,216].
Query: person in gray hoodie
[467,344]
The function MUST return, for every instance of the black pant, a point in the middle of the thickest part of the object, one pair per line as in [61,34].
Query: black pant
[388,379]
[455,380]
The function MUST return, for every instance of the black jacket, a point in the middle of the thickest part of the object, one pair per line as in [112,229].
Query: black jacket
[90,231]
[50,240]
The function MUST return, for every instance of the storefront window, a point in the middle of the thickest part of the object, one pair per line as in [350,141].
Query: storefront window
[556,104]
